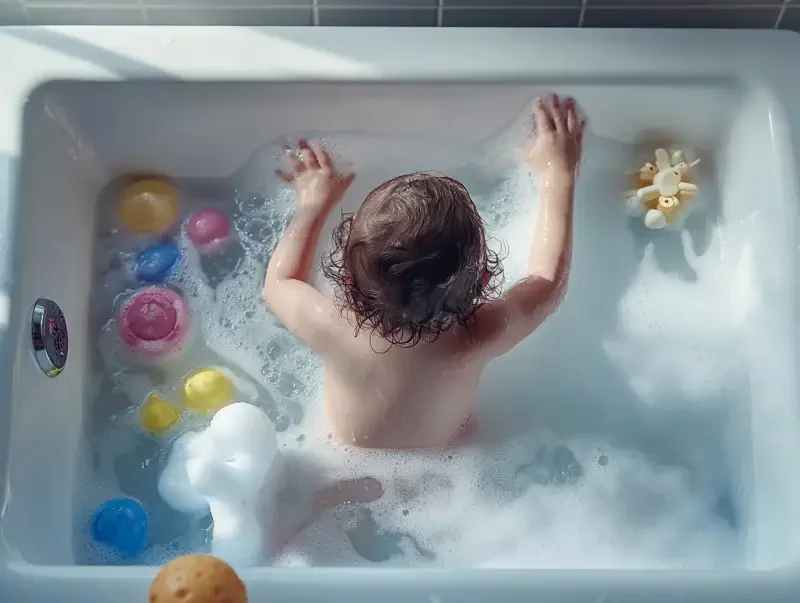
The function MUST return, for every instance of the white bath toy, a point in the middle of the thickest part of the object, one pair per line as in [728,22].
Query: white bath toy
[229,470]
[663,190]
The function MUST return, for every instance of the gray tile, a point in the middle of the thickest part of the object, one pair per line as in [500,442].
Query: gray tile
[510,17]
[85,15]
[689,3]
[12,14]
[720,18]
[78,3]
[229,16]
[378,17]
[791,19]
[391,3]
[513,3]
[225,4]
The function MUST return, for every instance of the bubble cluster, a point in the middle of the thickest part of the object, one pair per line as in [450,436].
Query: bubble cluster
[528,499]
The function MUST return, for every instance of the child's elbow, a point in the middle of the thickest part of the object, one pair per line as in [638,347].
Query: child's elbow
[542,296]
[558,293]
[557,290]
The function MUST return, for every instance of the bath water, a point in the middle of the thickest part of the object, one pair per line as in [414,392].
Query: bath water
[602,440]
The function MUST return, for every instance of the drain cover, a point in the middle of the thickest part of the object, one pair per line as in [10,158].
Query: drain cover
[49,334]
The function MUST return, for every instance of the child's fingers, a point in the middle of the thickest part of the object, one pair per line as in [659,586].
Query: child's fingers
[348,180]
[308,155]
[310,158]
[542,117]
[324,158]
[285,176]
[557,113]
[572,119]
[294,161]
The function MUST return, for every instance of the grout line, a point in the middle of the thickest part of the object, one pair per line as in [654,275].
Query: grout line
[584,5]
[439,13]
[25,11]
[780,14]
[145,17]
[315,13]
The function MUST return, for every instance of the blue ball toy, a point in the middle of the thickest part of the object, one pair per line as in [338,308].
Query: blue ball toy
[154,264]
[123,524]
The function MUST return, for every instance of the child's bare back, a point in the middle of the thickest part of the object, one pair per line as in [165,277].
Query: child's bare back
[403,398]
[416,318]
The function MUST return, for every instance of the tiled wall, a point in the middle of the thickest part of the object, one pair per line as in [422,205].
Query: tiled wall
[783,14]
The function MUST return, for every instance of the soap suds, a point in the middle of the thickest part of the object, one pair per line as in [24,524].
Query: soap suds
[583,461]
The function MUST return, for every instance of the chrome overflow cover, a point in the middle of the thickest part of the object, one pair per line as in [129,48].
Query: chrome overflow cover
[49,334]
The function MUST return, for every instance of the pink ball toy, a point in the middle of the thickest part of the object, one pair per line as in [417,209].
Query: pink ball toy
[154,322]
[209,230]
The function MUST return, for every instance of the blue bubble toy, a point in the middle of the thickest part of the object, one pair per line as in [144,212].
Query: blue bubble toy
[122,523]
[154,264]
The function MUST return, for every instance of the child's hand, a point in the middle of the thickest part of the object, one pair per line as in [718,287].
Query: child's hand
[557,149]
[318,184]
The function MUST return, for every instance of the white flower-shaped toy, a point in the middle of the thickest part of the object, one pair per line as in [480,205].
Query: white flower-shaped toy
[663,189]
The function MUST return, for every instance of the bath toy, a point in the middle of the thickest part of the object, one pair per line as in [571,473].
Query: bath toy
[123,524]
[154,322]
[157,415]
[229,470]
[663,190]
[197,579]
[154,264]
[207,390]
[209,231]
[148,206]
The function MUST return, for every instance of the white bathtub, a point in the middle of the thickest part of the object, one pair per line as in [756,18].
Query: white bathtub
[83,105]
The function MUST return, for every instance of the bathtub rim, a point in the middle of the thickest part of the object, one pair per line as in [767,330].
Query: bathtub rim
[434,585]
[772,68]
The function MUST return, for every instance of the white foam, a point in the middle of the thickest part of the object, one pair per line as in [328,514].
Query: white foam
[226,470]
[669,328]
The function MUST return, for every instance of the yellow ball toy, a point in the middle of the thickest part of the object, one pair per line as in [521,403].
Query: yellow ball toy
[157,415]
[207,390]
[148,206]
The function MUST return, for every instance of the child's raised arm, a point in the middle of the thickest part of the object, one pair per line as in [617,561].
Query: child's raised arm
[297,304]
[554,156]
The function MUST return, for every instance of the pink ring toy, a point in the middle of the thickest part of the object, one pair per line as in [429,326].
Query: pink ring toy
[154,322]
[209,230]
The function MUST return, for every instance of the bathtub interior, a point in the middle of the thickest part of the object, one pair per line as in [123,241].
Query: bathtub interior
[675,345]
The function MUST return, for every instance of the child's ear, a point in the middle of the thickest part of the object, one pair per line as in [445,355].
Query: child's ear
[487,276]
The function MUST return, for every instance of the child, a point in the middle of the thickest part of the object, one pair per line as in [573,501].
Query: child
[415,321]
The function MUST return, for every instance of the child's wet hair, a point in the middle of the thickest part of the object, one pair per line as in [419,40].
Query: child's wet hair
[413,261]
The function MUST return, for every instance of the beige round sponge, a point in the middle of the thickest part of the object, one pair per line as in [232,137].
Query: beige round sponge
[197,579]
